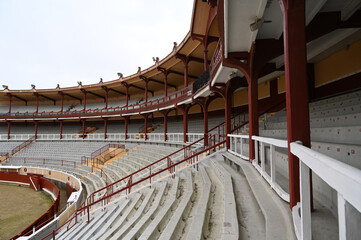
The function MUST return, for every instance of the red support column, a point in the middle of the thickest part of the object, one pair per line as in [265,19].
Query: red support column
[205,57]
[184,108]
[126,92]
[84,100]
[105,128]
[61,129]
[165,116]
[186,72]
[10,96]
[126,118]
[36,129]
[9,126]
[83,128]
[166,84]
[145,116]
[298,124]
[227,111]
[185,60]
[106,97]
[252,115]
[204,103]
[62,102]
[37,103]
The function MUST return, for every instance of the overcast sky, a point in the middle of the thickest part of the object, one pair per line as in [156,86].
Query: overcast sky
[45,42]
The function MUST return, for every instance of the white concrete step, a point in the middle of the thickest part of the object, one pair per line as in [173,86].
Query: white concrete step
[154,225]
[161,197]
[230,222]
[177,221]
[99,230]
[200,219]
[136,202]
[132,219]
[279,224]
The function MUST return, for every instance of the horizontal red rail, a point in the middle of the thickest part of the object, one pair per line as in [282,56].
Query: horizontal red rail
[172,99]
[45,160]
[23,145]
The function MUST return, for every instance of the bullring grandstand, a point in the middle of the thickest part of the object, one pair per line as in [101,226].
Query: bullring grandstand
[249,129]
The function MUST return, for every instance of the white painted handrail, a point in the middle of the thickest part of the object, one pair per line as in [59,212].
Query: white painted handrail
[237,147]
[345,179]
[139,137]
[271,179]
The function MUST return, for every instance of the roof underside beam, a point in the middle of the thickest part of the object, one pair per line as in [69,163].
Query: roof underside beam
[71,96]
[160,82]
[20,98]
[116,91]
[97,95]
[48,98]
[140,88]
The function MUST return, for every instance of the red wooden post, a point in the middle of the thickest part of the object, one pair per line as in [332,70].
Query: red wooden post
[62,102]
[37,103]
[36,129]
[145,116]
[105,128]
[252,115]
[296,86]
[10,96]
[61,129]
[84,100]
[9,126]
[126,126]
[83,123]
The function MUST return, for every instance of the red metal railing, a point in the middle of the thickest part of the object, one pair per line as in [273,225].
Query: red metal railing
[216,59]
[45,161]
[96,157]
[171,99]
[23,145]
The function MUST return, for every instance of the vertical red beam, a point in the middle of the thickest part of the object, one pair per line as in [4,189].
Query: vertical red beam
[298,127]
[83,128]
[186,72]
[105,128]
[252,115]
[126,95]
[61,129]
[146,90]
[62,102]
[166,83]
[126,127]
[145,126]
[227,111]
[165,127]
[84,100]
[36,129]
[106,97]
[205,57]
[205,125]
[185,109]
[37,103]
[10,96]
[9,126]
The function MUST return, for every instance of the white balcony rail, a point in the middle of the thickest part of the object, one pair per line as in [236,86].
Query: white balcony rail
[237,145]
[260,156]
[345,179]
[139,137]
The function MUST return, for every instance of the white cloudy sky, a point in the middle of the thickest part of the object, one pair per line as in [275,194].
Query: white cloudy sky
[45,42]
